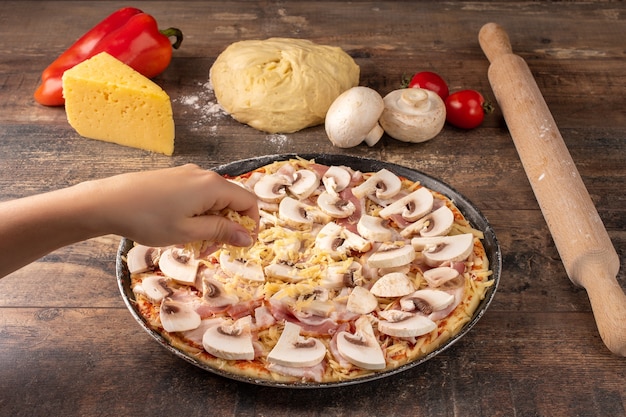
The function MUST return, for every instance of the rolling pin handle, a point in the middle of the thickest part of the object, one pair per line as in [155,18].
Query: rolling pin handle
[494,41]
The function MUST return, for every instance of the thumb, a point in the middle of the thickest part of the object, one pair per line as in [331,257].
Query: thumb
[219,229]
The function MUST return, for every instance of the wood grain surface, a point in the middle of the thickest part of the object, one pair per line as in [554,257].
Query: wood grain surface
[69,346]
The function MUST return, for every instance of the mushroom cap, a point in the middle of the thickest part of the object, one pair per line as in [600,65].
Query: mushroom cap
[295,350]
[353,117]
[413,114]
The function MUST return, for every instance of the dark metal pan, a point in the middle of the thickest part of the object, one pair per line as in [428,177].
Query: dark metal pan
[469,210]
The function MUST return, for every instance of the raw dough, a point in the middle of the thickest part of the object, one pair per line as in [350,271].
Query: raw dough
[281,85]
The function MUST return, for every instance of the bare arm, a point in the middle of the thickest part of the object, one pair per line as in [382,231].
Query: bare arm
[156,208]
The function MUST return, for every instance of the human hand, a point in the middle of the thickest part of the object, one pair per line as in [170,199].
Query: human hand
[173,206]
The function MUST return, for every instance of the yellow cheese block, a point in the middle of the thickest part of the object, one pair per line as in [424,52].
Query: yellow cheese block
[107,100]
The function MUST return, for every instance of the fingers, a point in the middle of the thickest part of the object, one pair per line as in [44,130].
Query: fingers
[217,228]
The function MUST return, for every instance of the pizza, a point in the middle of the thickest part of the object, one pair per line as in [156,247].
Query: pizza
[352,273]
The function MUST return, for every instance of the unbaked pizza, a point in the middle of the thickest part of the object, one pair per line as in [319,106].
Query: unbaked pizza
[353,273]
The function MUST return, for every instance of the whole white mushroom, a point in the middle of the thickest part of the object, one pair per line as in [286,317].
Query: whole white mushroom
[413,114]
[353,118]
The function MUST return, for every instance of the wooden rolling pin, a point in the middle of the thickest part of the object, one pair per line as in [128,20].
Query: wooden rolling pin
[583,243]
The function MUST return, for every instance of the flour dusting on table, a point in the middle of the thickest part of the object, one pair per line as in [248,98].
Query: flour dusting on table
[204,106]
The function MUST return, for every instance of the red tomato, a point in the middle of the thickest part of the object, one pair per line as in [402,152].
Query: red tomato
[430,81]
[465,109]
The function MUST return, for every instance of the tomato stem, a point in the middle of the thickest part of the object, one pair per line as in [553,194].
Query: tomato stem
[488,107]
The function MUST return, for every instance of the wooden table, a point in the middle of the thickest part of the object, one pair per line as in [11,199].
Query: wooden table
[69,346]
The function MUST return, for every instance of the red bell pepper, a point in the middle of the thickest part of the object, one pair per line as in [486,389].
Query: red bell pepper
[129,35]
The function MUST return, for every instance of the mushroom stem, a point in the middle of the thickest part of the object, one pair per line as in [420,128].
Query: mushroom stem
[374,135]
[414,100]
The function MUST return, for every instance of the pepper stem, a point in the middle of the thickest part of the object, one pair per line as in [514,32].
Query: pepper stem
[173,32]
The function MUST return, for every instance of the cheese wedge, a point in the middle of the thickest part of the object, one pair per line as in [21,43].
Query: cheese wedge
[107,100]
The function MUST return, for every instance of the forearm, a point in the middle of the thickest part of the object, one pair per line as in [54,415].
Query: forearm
[156,208]
[33,226]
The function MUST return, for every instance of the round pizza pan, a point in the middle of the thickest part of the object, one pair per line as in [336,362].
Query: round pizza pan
[469,210]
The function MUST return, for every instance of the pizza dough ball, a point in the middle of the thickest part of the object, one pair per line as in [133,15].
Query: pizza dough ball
[281,85]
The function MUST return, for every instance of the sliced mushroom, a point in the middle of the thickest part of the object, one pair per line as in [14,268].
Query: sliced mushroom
[317,307]
[412,206]
[142,258]
[154,288]
[361,348]
[295,350]
[437,223]
[305,182]
[284,272]
[177,316]
[329,240]
[354,242]
[272,188]
[391,256]
[373,228]
[230,340]
[413,114]
[406,325]
[343,274]
[299,215]
[240,268]
[334,206]
[336,179]
[353,118]
[287,249]
[214,293]
[437,250]
[179,265]
[442,276]
[384,184]
[394,284]
[426,301]
[361,301]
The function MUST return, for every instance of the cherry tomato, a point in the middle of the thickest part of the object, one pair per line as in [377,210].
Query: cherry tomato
[466,109]
[430,81]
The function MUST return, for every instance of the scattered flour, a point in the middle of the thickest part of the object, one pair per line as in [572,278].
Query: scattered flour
[208,112]
[277,140]
[205,107]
